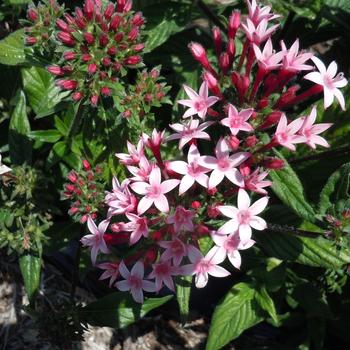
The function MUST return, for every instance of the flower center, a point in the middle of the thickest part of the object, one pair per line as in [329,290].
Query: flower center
[244,216]
[162,269]
[199,105]
[203,266]
[154,191]
[177,248]
[231,244]
[328,81]
[236,122]
[135,282]
[224,163]
[283,137]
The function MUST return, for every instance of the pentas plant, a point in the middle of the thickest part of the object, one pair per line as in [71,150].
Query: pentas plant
[159,215]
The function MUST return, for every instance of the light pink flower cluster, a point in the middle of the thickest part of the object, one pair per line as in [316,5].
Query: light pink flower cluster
[165,207]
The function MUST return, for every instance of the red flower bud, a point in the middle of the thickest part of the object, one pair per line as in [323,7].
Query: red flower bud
[104,40]
[273,163]
[69,55]
[133,34]
[109,11]
[195,205]
[62,25]
[233,24]
[112,51]
[132,60]
[224,62]
[86,165]
[89,38]
[217,40]
[66,38]
[31,40]
[77,96]
[272,119]
[89,7]
[251,141]
[32,14]
[106,91]
[119,37]
[92,68]
[67,84]
[94,100]
[233,142]
[106,61]
[115,23]
[138,19]
[56,70]
[86,57]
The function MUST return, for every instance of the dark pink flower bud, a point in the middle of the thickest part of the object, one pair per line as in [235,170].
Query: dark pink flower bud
[56,70]
[133,34]
[72,176]
[213,211]
[69,55]
[73,210]
[77,96]
[245,169]
[106,91]
[112,51]
[272,119]
[224,62]
[106,61]
[109,11]
[263,103]
[32,14]
[120,5]
[89,7]
[233,24]
[83,219]
[199,53]
[128,6]
[251,141]
[138,47]
[92,68]
[62,25]
[89,38]
[273,163]
[86,57]
[231,49]
[115,23]
[233,142]
[195,205]
[70,188]
[104,40]
[69,19]
[117,66]
[138,19]
[217,40]
[119,37]
[86,165]
[212,191]
[66,38]
[67,84]
[132,60]
[127,114]
[31,40]
[94,100]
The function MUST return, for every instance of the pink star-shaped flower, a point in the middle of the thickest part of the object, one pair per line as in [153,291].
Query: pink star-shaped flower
[203,266]
[134,155]
[95,240]
[229,246]
[223,165]
[286,135]
[258,33]
[111,271]
[198,103]
[154,191]
[163,272]
[258,13]
[192,130]
[182,219]
[267,58]
[142,171]
[174,249]
[192,171]
[310,130]
[237,121]
[255,182]
[244,217]
[120,200]
[138,226]
[293,60]
[134,281]
[330,80]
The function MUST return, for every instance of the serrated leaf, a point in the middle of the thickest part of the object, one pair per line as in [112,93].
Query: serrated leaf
[118,310]
[19,143]
[30,266]
[234,314]
[183,293]
[43,94]
[316,252]
[288,188]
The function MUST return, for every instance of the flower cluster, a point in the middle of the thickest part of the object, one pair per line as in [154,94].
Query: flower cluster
[42,22]
[165,207]
[147,92]
[98,43]
[85,191]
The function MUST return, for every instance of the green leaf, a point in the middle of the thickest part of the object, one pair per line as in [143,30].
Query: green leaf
[118,310]
[50,136]
[266,303]
[340,179]
[234,314]
[317,252]
[289,190]
[183,292]
[164,20]
[30,266]
[12,49]
[43,94]
[19,143]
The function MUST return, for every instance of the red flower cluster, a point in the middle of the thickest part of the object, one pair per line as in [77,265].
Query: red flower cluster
[99,43]
[85,191]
